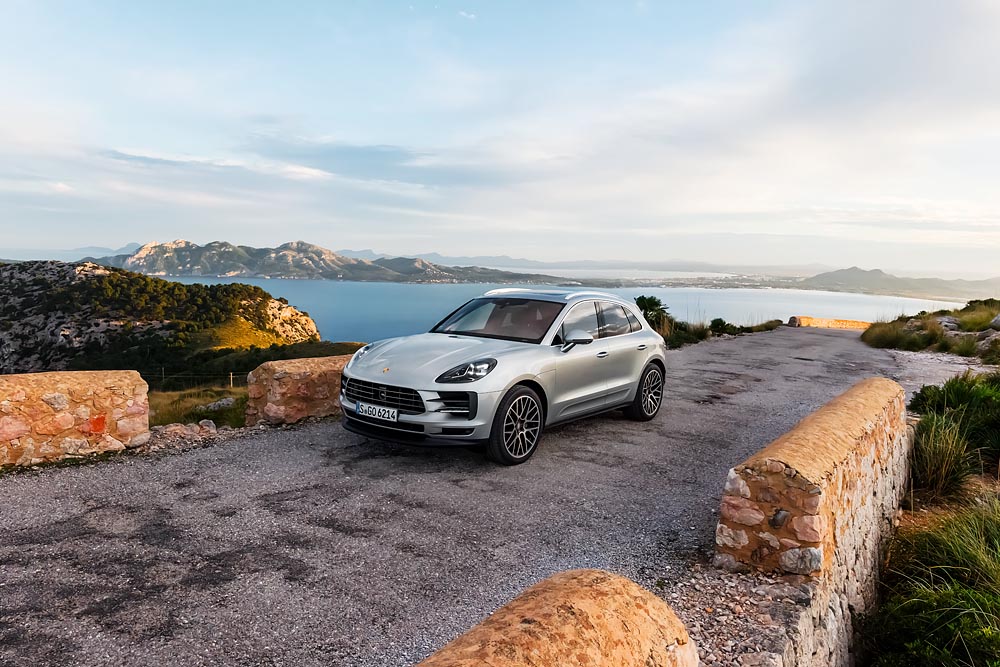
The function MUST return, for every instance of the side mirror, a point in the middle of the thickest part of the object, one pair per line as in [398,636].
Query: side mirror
[576,337]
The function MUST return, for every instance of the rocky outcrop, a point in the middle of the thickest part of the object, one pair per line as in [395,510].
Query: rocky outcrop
[56,316]
[285,392]
[288,323]
[580,617]
[51,416]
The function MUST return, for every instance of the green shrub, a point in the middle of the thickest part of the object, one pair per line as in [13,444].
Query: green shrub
[685,333]
[941,458]
[967,390]
[951,626]
[719,327]
[770,325]
[887,335]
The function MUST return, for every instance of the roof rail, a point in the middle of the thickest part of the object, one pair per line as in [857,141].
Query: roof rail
[508,290]
[603,295]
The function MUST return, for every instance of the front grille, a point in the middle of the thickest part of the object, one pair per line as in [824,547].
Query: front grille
[407,401]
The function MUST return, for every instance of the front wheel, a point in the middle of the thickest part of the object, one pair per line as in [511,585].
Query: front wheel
[648,395]
[517,427]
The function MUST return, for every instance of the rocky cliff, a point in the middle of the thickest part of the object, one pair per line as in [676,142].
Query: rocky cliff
[57,316]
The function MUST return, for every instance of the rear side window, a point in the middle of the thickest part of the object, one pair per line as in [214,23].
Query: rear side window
[583,316]
[615,320]
[633,321]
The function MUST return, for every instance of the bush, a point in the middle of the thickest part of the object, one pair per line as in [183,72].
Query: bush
[685,333]
[953,626]
[941,458]
[720,327]
[885,335]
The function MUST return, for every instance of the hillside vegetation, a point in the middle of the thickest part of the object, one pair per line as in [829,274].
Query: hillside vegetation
[970,331]
[57,316]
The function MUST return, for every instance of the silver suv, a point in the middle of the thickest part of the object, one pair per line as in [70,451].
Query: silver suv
[505,366]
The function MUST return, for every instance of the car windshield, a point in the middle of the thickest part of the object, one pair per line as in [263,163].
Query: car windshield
[524,320]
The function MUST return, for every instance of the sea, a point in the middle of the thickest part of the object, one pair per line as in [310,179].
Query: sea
[365,311]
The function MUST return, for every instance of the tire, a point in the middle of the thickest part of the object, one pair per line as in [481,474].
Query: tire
[517,427]
[648,395]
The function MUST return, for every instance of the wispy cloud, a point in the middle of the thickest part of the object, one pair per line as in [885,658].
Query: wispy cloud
[467,15]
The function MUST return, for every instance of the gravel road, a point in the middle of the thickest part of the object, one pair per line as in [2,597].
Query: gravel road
[312,546]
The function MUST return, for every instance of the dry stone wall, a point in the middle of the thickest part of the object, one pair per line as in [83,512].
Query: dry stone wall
[821,501]
[580,617]
[50,416]
[285,392]
[826,323]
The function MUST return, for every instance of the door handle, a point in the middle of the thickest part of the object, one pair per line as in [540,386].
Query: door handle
[601,355]
[641,347]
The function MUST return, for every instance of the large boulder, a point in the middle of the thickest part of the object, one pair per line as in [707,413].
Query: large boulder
[995,324]
[948,323]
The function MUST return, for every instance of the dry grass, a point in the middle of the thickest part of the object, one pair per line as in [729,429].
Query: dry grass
[169,407]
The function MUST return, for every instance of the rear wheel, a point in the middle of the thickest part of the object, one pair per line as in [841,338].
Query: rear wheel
[648,396]
[517,427]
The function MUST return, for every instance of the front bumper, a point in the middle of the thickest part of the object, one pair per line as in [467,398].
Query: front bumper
[433,426]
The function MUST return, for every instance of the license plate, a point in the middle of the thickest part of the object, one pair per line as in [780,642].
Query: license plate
[377,411]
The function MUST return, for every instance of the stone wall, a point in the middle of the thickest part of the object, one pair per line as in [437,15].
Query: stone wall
[821,501]
[50,416]
[825,323]
[284,392]
[580,617]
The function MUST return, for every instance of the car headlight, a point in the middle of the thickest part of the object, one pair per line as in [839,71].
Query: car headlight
[360,353]
[470,372]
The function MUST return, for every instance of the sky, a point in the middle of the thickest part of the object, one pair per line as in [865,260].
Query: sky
[862,133]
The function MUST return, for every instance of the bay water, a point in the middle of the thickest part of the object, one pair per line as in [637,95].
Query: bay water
[363,311]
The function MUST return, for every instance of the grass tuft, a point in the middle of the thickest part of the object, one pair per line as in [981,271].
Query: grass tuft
[941,458]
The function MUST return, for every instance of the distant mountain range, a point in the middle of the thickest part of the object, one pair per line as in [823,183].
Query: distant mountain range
[508,262]
[70,255]
[298,260]
[302,260]
[876,281]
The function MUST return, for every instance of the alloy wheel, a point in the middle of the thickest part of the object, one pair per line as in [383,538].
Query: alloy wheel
[652,392]
[522,426]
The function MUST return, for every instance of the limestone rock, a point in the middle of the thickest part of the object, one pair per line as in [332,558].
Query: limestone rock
[948,323]
[995,324]
[801,561]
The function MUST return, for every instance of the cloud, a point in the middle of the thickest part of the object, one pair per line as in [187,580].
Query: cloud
[467,15]
[846,131]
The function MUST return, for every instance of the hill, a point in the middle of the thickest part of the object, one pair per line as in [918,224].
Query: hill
[297,260]
[56,316]
[880,282]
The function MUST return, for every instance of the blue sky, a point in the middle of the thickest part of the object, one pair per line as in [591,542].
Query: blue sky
[745,132]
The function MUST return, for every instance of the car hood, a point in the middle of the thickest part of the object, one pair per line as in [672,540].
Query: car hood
[416,361]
